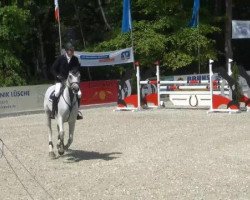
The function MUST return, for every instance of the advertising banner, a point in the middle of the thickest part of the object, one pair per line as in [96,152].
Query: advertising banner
[240,29]
[122,56]
[188,77]
[22,99]
[98,92]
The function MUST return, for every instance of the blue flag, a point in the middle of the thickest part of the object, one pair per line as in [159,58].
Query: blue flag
[126,17]
[195,16]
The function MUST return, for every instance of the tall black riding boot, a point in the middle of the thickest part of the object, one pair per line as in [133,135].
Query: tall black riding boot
[54,107]
[79,115]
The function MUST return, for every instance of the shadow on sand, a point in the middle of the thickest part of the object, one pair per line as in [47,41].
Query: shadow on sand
[79,155]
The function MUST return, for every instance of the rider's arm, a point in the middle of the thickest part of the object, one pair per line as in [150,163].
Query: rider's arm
[76,66]
[55,67]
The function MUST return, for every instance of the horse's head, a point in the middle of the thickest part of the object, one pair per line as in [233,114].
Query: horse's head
[73,81]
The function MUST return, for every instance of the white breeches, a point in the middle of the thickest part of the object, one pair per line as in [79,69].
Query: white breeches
[79,94]
[58,88]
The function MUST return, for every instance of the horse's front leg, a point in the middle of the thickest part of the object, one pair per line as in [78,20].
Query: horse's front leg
[60,144]
[51,152]
[71,134]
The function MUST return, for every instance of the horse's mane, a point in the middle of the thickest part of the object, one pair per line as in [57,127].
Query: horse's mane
[74,72]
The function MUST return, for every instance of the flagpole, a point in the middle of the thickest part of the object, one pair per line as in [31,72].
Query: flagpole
[60,39]
[127,20]
[131,36]
[59,29]
[198,26]
[132,44]
[194,23]
[57,17]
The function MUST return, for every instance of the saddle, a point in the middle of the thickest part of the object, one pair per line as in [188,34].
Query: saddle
[52,94]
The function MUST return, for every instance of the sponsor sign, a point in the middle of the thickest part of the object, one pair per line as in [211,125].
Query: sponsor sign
[192,77]
[122,56]
[188,77]
[98,92]
[240,29]
[22,99]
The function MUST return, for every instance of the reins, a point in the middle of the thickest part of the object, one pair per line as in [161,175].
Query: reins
[70,105]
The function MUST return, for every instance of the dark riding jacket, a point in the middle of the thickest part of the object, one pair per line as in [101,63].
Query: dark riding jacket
[61,67]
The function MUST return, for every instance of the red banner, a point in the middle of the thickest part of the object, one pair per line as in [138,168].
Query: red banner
[98,92]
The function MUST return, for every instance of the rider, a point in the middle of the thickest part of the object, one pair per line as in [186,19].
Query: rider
[60,69]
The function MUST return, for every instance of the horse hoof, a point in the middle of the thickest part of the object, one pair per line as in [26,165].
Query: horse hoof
[60,152]
[52,155]
[66,147]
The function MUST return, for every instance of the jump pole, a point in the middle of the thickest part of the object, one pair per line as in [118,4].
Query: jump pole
[138,85]
[229,71]
[211,83]
[211,89]
[158,83]
[229,68]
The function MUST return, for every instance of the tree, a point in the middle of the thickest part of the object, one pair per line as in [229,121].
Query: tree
[13,34]
[29,34]
[160,32]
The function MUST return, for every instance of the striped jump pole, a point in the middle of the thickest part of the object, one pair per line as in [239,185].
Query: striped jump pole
[190,82]
[157,63]
[137,64]
[211,82]
[217,100]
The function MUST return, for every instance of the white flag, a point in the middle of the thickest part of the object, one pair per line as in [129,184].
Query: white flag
[57,17]
[240,29]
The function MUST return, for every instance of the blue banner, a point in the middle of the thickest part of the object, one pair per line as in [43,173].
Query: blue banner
[195,16]
[126,17]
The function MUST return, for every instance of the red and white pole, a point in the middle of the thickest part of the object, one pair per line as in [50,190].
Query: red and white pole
[157,63]
[211,83]
[138,85]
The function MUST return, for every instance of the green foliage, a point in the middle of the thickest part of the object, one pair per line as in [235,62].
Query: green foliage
[157,8]
[29,38]
[13,23]
[190,45]
[235,75]
[162,34]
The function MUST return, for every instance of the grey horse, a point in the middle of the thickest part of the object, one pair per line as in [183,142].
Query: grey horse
[66,112]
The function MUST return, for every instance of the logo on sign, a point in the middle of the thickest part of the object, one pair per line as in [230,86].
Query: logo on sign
[125,55]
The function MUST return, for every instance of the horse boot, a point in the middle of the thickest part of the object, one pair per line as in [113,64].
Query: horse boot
[79,115]
[54,107]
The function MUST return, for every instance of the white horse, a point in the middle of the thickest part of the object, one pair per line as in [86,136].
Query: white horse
[66,112]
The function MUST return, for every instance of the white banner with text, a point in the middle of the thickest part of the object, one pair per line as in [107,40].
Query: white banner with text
[122,56]
[22,99]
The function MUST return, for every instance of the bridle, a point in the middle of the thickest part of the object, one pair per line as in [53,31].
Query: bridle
[72,93]
[71,86]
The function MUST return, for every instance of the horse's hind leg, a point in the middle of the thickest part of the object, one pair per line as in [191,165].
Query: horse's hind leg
[60,144]
[51,152]
[71,134]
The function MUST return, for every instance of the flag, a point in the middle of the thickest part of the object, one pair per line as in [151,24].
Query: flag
[57,17]
[126,17]
[240,29]
[195,16]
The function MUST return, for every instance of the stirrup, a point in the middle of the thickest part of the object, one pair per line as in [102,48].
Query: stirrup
[79,116]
